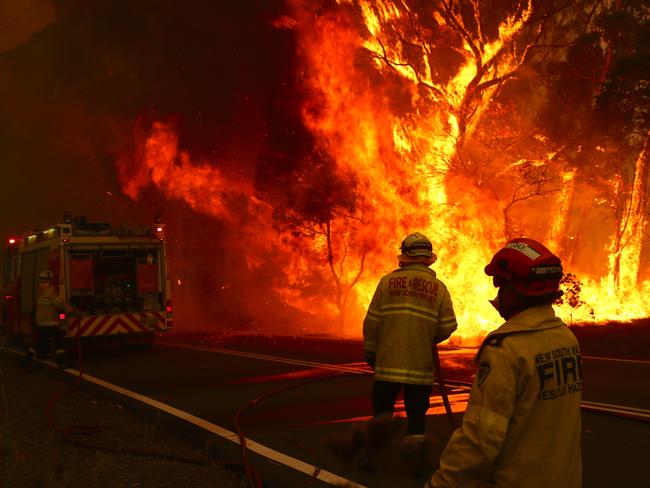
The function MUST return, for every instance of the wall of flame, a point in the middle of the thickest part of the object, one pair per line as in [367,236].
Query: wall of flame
[386,125]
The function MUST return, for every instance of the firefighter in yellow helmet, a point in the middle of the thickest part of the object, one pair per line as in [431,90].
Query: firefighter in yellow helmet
[410,312]
[522,423]
[48,306]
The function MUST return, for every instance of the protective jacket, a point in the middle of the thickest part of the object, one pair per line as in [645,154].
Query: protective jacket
[410,311]
[48,306]
[522,423]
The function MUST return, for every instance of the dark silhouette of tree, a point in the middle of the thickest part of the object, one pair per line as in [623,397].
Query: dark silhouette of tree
[321,206]
[623,106]
[596,86]
[533,179]
[571,287]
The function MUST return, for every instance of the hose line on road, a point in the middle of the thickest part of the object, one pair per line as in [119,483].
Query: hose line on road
[253,477]
[73,430]
[49,411]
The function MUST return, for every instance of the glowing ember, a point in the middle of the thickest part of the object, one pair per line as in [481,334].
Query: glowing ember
[396,99]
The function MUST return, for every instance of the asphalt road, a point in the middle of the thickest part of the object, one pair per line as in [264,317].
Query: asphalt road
[301,404]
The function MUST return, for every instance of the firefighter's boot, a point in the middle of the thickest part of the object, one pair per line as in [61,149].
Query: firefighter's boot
[352,446]
[347,444]
[417,453]
[378,434]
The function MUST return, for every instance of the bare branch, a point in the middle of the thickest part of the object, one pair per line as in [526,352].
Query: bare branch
[448,14]
[392,64]
[476,12]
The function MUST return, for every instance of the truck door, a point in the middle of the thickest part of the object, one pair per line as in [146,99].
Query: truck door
[27,291]
[32,263]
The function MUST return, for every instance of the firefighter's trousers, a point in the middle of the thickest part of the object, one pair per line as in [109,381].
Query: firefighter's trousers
[416,401]
[45,335]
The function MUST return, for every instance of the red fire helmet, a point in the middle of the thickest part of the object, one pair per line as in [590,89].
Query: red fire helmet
[527,265]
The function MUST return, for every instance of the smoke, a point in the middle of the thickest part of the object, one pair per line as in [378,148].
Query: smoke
[83,84]
[21,20]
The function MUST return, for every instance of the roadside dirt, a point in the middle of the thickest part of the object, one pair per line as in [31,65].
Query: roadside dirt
[34,455]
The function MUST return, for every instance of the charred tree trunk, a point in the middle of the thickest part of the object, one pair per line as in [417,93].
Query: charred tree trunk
[627,243]
[343,290]
[558,241]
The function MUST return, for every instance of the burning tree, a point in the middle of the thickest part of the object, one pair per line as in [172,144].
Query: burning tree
[625,94]
[534,179]
[457,55]
[597,110]
[572,288]
[322,219]
[440,67]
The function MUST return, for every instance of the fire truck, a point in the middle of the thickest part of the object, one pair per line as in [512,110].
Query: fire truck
[116,279]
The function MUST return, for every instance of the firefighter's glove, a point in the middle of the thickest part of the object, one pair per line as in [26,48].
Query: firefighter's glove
[370,359]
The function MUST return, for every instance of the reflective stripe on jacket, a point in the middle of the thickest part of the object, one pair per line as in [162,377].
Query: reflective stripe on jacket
[522,423]
[48,306]
[410,311]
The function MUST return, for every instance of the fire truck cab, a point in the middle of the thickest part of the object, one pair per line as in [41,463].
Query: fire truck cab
[116,277]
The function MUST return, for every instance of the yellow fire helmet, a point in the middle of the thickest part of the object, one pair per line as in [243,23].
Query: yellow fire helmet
[417,248]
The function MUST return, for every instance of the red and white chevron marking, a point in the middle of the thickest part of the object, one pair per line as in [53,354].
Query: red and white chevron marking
[101,325]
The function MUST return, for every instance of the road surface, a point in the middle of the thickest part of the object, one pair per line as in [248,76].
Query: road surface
[306,390]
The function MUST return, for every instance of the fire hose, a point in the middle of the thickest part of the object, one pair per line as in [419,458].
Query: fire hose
[442,386]
[49,411]
[253,477]
[74,430]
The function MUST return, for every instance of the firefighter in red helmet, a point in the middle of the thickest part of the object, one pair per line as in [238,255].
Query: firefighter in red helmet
[522,423]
